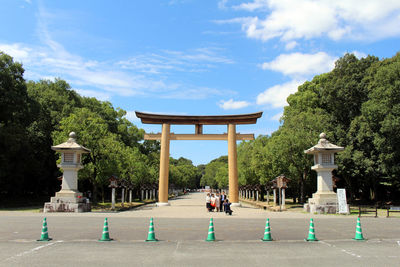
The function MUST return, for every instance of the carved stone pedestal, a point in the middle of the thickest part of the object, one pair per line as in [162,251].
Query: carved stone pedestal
[67,201]
[322,203]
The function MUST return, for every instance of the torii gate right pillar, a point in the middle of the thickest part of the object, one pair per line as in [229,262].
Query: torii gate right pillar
[232,166]
[164,167]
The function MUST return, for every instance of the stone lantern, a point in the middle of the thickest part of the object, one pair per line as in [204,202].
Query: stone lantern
[69,199]
[324,200]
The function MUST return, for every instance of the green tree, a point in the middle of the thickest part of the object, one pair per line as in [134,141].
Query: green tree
[92,132]
[23,170]
[210,171]
[373,151]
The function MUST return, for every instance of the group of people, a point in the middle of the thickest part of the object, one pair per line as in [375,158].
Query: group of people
[218,202]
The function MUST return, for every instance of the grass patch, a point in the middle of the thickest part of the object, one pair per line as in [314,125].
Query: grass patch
[25,209]
[28,204]
[106,206]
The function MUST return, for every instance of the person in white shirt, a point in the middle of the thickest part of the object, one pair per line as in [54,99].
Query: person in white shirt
[217,202]
[208,202]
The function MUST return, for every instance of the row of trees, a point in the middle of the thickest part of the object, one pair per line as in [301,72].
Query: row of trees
[358,105]
[36,115]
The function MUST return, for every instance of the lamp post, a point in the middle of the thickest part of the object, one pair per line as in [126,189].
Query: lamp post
[69,199]
[324,200]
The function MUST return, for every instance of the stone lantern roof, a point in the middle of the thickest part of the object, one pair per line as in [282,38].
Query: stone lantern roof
[71,145]
[323,145]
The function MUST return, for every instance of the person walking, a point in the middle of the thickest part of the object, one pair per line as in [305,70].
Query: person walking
[222,199]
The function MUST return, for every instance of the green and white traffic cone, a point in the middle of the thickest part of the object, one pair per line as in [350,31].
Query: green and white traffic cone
[45,235]
[267,232]
[151,237]
[311,232]
[105,236]
[211,234]
[359,235]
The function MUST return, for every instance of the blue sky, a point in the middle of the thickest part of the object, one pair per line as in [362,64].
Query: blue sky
[194,57]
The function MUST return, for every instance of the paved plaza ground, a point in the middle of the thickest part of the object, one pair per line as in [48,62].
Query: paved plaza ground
[182,229]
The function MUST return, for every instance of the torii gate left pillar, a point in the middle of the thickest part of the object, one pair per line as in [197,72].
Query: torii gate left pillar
[232,137]
[164,167]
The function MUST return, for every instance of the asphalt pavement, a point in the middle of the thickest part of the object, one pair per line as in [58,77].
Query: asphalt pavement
[182,229]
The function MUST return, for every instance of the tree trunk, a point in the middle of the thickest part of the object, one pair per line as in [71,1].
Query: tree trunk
[94,190]
[302,179]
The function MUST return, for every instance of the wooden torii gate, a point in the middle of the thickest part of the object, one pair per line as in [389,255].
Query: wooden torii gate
[230,120]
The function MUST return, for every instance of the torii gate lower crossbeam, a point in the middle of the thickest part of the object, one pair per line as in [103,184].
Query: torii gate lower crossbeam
[230,120]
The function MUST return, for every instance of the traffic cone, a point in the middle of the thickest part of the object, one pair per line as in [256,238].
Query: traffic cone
[359,235]
[151,236]
[45,234]
[311,233]
[105,236]
[211,235]
[267,232]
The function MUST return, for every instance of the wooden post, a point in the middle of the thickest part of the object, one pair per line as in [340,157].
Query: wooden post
[164,166]
[113,198]
[123,197]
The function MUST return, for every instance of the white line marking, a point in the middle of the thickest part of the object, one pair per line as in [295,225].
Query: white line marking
[32,250]
[398,243]
[343,250]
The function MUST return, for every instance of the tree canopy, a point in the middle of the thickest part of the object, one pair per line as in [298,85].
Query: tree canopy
[36,115]
[357,105]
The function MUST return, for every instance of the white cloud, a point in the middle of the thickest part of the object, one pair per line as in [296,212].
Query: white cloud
[104,79]
[18,51]
[131,116]
[289,20]
[277,94]
[277,117]
[184,92]
[359,54]
[195,60]
[252,6]
[298,64]
[103,96]
[231,104]
[222,4]
[291,45]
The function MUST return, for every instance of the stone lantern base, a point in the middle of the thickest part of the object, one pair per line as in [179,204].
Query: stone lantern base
[322,203]
[67,201]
